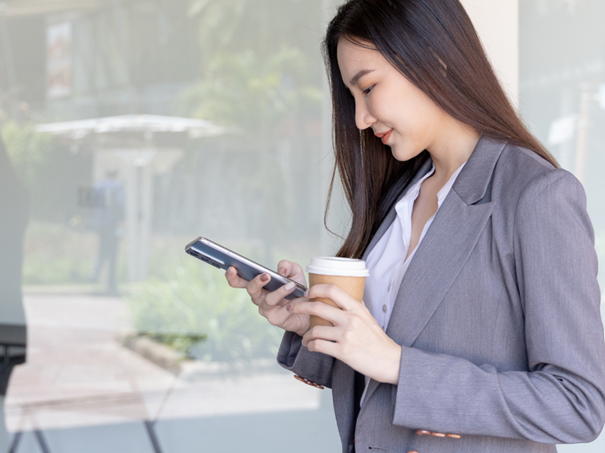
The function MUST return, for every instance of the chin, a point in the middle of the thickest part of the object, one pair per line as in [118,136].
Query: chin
[402,156]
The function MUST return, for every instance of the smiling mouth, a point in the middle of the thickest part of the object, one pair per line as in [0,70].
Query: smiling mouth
[384,137]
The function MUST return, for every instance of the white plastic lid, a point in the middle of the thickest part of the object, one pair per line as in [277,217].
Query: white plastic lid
[345,267]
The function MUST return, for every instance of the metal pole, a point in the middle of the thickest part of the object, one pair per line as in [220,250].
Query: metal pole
[132,209]
[146,216]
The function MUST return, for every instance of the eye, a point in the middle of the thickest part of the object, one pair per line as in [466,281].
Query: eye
[368,89]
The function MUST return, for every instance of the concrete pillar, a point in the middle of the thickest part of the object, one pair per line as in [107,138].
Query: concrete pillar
[497,22]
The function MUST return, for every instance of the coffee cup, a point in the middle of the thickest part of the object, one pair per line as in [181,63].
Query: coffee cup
[346,273]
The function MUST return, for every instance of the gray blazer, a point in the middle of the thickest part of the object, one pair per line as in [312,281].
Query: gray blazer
[499,319]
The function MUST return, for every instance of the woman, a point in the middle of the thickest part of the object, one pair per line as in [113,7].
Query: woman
[480,329]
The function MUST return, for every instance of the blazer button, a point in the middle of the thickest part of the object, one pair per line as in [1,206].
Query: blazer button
[424,432]
[308,382]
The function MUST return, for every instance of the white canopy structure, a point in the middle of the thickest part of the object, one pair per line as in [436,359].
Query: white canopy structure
[132,123]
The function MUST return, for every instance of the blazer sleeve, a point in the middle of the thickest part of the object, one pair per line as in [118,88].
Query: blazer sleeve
[314,366]
[561,398]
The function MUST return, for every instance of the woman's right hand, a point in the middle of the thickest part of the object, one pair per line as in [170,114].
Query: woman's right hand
[272,305]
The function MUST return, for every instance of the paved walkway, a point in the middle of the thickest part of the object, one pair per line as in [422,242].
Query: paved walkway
[79,375]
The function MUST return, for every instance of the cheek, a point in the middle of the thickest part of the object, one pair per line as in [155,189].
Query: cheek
[417,119]
[378,106]
[399,108]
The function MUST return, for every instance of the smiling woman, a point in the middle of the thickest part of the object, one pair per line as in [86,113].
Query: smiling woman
[480,328]
[436,48]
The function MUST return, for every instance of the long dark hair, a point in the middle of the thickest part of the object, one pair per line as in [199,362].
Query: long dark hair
[419,38]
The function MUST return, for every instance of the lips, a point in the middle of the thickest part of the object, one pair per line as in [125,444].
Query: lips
[384,136]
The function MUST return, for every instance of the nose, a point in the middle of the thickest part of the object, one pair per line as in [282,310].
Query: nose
[363,117]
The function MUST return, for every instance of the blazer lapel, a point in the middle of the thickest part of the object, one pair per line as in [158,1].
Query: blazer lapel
[445,247]
[438,260]
[343,375]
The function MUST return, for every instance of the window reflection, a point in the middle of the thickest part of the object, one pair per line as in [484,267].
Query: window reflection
[137,126]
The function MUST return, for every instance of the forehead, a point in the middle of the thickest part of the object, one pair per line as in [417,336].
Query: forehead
[353,58]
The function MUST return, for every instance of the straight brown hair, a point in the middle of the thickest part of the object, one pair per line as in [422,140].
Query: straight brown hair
[418,37]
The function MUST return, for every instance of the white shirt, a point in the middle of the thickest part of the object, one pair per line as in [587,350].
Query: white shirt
[385,260]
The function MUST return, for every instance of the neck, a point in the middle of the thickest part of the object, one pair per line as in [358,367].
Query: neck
[452,147]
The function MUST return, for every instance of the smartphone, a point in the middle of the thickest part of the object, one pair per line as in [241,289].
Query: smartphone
[222,258]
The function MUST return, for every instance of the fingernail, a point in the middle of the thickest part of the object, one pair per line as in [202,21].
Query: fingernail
[281,271]
[264,278]
[289,307]
[290,285]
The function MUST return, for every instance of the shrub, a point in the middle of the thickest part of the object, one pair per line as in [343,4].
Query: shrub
[195,311]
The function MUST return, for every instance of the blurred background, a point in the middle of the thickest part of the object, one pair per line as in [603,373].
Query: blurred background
[130,127]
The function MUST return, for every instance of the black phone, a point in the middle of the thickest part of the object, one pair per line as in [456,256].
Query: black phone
[222,258]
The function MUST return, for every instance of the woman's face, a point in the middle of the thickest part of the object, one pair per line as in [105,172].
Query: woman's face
[400,114]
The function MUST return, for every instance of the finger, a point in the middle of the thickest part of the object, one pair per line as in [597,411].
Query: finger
[235,281]
[325,347]
[275,297]
[255,286]
[324,311]
[321,333]
[292,271]
[339,296]
[284,267]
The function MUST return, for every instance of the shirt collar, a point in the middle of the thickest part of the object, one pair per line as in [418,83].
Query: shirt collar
[448,185]
[412,194]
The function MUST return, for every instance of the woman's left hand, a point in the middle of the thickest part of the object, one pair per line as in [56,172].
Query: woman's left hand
[355,339]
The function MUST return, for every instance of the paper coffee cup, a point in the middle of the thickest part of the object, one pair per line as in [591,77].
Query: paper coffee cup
[346,273]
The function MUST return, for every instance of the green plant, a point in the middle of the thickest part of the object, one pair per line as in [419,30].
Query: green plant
[252,93]
[27,149]
[179,342]
[260,24]
[195,311]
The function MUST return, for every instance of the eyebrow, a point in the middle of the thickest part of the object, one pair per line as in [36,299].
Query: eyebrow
[359,75]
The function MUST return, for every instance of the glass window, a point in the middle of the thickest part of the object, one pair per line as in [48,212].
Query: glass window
[131,127]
